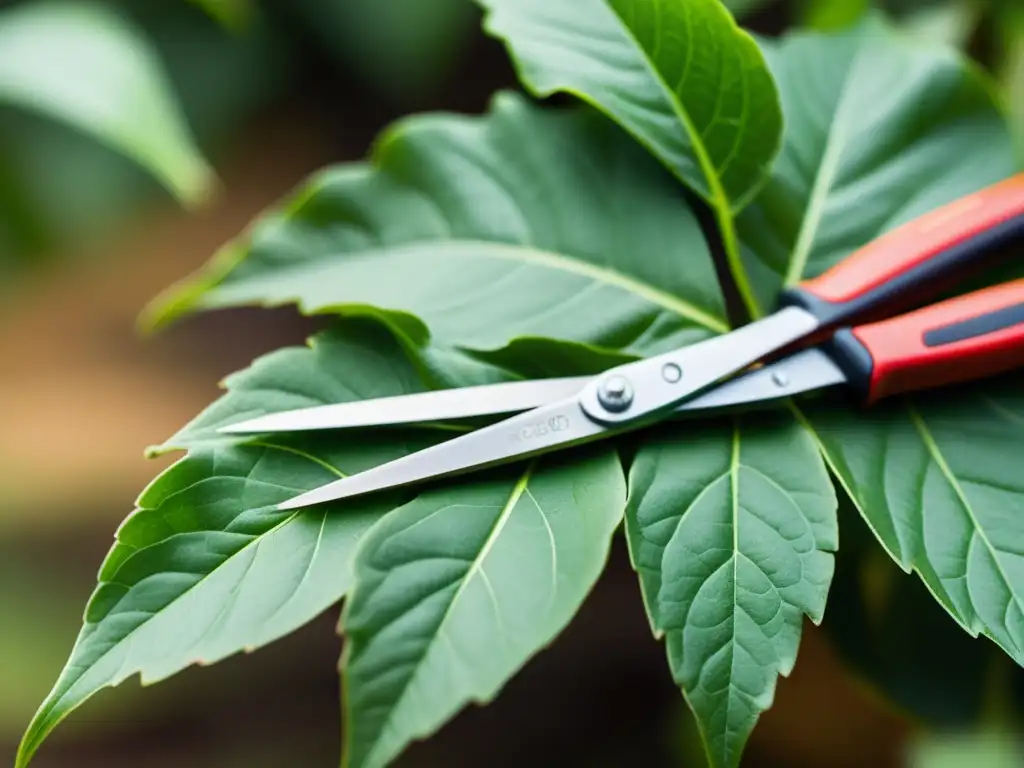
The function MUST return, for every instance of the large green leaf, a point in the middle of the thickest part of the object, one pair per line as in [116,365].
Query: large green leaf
[682,77]
[936,477]
[456,590]
[472,232]
[731,531]
[206,566]
[863,152]
[85,66]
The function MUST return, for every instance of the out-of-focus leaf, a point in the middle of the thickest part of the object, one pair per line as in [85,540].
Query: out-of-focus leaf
[456,590]
[731,531]
[84,65]
[977,749]
[473,232]
[952,22]
[207,566]
[405,48]
[1011,25]
[833,15]
[231,13]
[741,8]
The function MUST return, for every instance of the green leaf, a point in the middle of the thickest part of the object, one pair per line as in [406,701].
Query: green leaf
[1011,24]
[936,477]
[731,531]
[683,78]
[86,66]
[456,590]
[953,22]
[526,222]
[832,15]
[864,153]
[740,8]
[988,748]
[206,566]
[233,14]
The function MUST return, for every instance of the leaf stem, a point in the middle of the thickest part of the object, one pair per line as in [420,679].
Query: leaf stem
[730,242]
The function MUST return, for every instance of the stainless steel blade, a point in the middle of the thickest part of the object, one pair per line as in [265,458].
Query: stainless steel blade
[558,425]
[804,371]
[441,405]
[563,424]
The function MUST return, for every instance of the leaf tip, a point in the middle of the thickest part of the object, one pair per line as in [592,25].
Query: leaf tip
[185,296]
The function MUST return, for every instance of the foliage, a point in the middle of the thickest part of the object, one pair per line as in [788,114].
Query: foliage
[83,65]
[551,240]
[91,69]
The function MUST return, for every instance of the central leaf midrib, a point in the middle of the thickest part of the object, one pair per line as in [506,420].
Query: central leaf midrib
[823,181]
[719,198]
[499,525]
[570,265]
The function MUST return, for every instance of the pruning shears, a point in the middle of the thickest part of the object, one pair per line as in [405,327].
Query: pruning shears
[841,328]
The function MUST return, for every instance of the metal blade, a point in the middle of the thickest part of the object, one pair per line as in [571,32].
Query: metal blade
[563,424]
[558,425]
[442,405]
[804,371]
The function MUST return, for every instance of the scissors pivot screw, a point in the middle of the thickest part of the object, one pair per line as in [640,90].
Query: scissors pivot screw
[615,394]
[780,379]
[671,372]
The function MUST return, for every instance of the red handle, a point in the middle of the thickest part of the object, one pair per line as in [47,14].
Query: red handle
[918,258]
[969,337]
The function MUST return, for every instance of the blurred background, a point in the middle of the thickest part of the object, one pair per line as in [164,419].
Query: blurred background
[271,91]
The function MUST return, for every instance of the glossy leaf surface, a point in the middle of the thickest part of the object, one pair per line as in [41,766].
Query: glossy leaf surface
[473,232]
[206,566]
[864,153]
[683,78]
[460,587]
[731,528]
[85,66]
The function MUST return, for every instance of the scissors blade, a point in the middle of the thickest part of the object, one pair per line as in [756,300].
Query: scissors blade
[564,423]
[556,425]
[440,405]
[805,371]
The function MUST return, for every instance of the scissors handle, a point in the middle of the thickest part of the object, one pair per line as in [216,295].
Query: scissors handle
[970,337]
[917,260]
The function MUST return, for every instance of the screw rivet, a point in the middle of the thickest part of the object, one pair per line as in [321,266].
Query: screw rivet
[671,372]
[615,394]
[780,379]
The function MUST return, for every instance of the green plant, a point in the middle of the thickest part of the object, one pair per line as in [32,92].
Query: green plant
[89,68]
[554,240]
